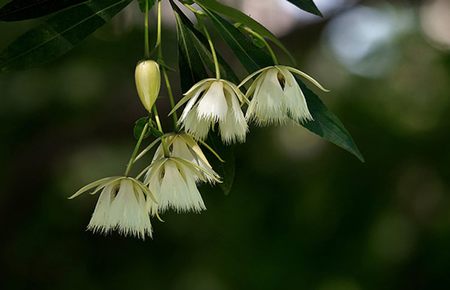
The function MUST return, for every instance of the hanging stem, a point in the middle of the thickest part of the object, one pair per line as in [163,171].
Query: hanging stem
[163,68]
[136,149]
[266,44]
[158,123]
[171,98]
[146,55]
[158,35]
[211,45]
[146,32]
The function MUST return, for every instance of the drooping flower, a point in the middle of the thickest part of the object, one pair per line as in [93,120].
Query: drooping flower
[275,96]
[212,101]
[174,179]
[184,146]
[122,206]
[148,82]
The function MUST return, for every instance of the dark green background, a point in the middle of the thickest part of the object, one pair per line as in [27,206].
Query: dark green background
[303,214]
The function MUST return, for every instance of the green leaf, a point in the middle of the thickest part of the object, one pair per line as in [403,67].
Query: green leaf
[240,17]
[142,3]
[208,61]
[308,6]
[227,169]
[139,127]
[251,56]
[190,63]
[154,131]
[27,9]
[201,45]
[59,34]
[327,125]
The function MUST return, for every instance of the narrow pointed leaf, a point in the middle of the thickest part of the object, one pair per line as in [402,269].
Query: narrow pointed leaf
[27,9]
[251,56]
[190,63]
[201,45]
[59,34]
[242,18]
[307,5]
[327,125]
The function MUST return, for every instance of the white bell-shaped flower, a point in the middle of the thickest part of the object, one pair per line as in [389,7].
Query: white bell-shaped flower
[122,206]
[173,181]
[184,146]
[210,102]
[275,96]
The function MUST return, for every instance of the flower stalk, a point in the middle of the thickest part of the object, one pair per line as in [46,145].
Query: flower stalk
[211,45]
[136,150]
[163,68]
[266,44]
[146,31]
[160,128]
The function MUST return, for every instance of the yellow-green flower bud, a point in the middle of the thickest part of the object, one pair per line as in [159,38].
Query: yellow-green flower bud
[148,82]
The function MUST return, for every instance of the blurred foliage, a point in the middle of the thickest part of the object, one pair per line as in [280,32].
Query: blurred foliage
[303,214]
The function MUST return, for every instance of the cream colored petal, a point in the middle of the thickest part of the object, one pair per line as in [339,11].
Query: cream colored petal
[99,183]
[173,189]
[253,90]
[199,84]
[199,171]
[181,149]
[253,87]
[253,75]
[153,169]
[100,220]
[295,102]
[128,211]
[199,128]
[149,195]
[197,156]
[234,127]
[148,148]
[153,182]
[266,107]
[306,76]
[213,104]
[196,203]
[192,101]
[234,90]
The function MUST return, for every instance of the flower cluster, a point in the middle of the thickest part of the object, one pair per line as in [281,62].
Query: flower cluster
[179,164]
[126,204]
[274,97]
[211,106]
